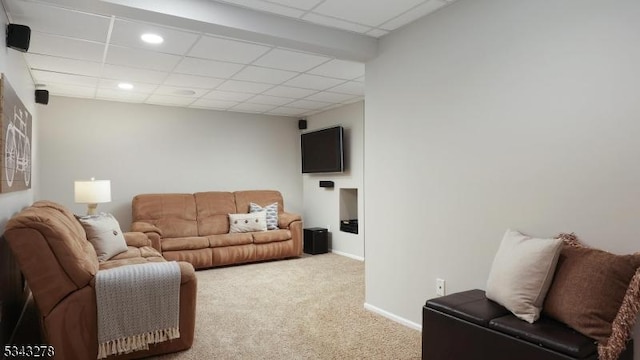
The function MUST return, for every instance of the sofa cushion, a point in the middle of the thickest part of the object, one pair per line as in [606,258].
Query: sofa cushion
[213,208]
[271,236]
[230,239]
[521,273]
[241,223]
[260,197]
[270,210]
[104,233]
[185,243]
[589,288]
[173,214]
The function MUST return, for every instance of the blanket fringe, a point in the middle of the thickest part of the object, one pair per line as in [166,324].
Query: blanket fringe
[136,342]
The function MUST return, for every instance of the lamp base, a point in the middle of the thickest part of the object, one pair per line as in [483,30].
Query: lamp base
[91,209]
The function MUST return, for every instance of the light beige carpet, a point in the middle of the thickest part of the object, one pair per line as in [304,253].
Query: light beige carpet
[306,308]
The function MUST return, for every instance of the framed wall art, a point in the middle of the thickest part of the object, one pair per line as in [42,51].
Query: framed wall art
[15,140]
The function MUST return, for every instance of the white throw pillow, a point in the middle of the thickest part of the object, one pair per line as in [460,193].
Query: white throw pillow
[104,233]
[522,272]
[271,211]
[239,223]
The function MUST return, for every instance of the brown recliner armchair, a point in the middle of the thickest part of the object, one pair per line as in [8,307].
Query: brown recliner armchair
[60,265]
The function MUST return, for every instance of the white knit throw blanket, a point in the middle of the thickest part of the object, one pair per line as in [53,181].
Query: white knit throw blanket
[138,305]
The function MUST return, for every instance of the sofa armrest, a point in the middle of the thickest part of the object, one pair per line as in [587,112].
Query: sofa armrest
[151,231]
[285,219]
[136,239]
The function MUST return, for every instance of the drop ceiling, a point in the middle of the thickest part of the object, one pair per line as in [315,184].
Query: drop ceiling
[277,57]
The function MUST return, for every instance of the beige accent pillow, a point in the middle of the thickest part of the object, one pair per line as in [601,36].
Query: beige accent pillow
[104,233]
[240,223]
[522,272]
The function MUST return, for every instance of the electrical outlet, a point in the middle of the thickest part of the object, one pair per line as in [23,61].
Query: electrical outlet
[440,289]
[328,228]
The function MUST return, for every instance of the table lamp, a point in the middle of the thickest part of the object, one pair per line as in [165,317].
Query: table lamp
[92,192]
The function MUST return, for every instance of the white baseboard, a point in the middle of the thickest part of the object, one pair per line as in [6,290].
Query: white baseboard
[360,258]
[393,317]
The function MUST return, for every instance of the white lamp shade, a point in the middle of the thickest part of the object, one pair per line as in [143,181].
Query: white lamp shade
[92,191]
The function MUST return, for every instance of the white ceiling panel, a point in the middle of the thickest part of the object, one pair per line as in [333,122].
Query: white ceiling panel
[54,20]
[308,104]
[287,111]
[377,12]
[267,7]
[48,77]
[140,58]
[350,87]
[119,95]
[336,23]
[298,4]
[180,91]
[213,104]
[215,48]
[58,64]
[264,75]
[45,44]
[270,100]
[70,90]
[169,100]
[290,92]
[313,82]
[291,60]
[228,96]
[137,86]
[423,9]
[331,97]
[124,73]
[210,68]
[341,69]
[244,86]
[127,33]
[257,108]
[192,81]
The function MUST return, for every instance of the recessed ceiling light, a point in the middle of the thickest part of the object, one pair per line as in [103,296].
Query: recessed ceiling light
[125,86]
[185,92]
[152,38]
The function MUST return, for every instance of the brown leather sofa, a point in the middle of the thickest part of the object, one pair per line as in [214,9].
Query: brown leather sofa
[468,326]
[60,266]
[195,227]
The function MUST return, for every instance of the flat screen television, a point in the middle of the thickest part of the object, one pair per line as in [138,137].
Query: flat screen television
[323,150]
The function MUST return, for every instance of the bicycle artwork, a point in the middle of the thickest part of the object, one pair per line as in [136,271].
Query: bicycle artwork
[15,172]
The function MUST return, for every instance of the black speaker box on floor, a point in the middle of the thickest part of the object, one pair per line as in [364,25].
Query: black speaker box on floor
[42,97]
[316,241]
[18,37]
[302,124]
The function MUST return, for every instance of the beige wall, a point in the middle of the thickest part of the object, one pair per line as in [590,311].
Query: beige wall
[496,114]
[157,149]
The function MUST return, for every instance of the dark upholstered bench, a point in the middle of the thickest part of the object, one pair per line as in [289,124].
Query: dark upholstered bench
[468,326]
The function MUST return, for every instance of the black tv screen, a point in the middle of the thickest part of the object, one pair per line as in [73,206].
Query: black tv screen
[322,151]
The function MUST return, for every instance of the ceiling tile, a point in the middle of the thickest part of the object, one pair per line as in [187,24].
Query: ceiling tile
[341,69]
[268,7]
[257,108]
[71,90]
[244,86]
[192,81]
[50,19]
[180,91]
[169,100]
[127,33]
[298,4]
[117,55]
[330,97]
[308,104]
[119,95]
[48,77]
[45,44]
[290,92]
[290,60]
[138,87]
[216,48]
[213,103]
[376,12]
[336,23]
[287,111]
[423,9]
[264,75]
[227,96]
[211,68]
[270,100]
[58,64]
[313,82]
[350,87]
[123,73]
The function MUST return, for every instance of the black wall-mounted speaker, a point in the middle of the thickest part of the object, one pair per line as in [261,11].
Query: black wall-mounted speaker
[42,97]
[18,37]
[302,124]
[326,184]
